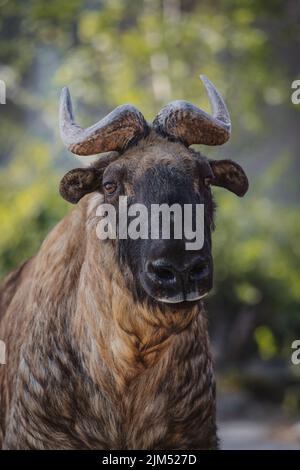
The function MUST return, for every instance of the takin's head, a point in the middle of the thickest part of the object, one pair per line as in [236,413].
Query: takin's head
[154,164]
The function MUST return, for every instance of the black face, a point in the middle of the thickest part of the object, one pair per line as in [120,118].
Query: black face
[159,269]
[165,269]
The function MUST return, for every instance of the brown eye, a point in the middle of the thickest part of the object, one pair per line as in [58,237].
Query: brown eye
[110,187]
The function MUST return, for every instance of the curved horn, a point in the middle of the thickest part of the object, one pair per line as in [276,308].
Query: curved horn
[184,121]
[114,132]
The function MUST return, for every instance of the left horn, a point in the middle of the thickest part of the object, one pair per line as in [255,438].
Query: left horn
[184,121]
[113,133]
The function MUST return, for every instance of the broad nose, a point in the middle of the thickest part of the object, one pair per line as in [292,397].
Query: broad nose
[187,279]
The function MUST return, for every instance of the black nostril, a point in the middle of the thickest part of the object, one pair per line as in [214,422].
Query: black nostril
[161,272]
[198,272]
[164,274]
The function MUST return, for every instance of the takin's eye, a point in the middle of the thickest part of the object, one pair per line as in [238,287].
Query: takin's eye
[110,187]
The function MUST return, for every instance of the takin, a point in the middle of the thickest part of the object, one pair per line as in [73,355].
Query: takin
[107,339]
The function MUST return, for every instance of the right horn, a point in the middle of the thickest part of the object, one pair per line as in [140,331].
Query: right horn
[113,133]
[183,121]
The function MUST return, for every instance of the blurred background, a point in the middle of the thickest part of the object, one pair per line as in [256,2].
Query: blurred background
[147,53]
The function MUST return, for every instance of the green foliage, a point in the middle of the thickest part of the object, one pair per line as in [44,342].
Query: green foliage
[265,341]
[29,205]
[257,259]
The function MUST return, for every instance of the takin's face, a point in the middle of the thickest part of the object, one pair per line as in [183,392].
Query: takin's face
[153,166]
[158,171]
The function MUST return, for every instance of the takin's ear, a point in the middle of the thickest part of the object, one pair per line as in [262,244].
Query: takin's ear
[78,182]
[229,175]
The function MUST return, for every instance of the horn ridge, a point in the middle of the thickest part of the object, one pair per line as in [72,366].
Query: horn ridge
[183,121]
[112,133]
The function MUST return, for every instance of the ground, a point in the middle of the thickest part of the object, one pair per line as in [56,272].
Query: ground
[247,424]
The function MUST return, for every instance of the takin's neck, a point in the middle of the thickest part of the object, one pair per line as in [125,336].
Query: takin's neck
[154,366]
[105,321]
[159,379]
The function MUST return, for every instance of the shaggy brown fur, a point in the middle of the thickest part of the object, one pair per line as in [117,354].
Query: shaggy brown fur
[88,369]
[87,366]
